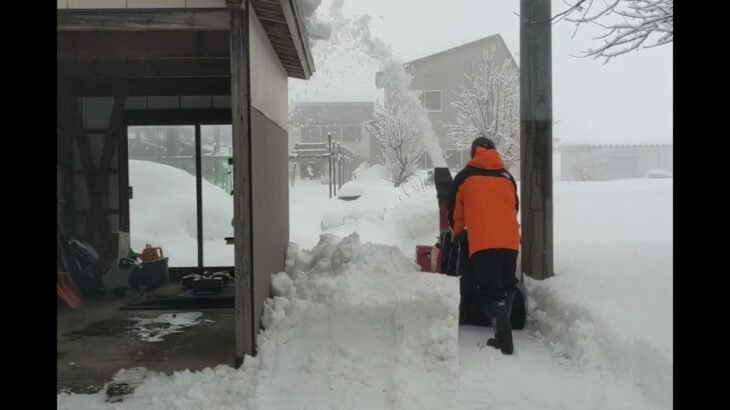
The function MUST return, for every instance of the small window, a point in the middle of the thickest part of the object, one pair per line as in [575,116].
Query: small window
[135,103]
[193,101]
[431,100]
[163,102]
[352,133]
[221,101]
[311,134]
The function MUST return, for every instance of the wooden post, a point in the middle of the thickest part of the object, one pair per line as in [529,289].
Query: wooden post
[329,161]
[341,174]
[241,129]
[198,152]
[536,147]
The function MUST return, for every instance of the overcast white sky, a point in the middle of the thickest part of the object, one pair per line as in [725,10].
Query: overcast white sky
[629,99]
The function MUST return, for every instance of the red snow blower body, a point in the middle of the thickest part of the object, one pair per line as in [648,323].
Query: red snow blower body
[450,256]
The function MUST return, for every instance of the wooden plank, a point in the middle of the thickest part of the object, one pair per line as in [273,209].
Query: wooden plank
[145,68]
[141,44]
[151,19]
[259,5]
[268,15]
[242,209]
[88,212]
[281,30]
[288,29]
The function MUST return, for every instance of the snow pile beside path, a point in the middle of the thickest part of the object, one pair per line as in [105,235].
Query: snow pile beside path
[383,214]
[218,388]
[415,221]
[609,306]
[374,173]
[347,212]
[350,190]
[356,326]
[606,320]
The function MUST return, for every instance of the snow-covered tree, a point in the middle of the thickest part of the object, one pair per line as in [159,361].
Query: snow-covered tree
[628,24]
[401,146]
[488,105]
[586,169]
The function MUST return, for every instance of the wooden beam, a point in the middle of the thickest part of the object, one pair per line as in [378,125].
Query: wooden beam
[97,221]
[242,184]
[150,19]
[141,44]
[145,68]
[158,87]
[178,116]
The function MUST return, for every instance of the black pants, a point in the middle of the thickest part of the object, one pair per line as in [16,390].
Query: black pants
[494,271]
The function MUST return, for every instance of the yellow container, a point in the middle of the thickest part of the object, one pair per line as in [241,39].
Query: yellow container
[150,254]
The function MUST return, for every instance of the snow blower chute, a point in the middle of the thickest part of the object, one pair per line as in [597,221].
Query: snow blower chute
[451,257]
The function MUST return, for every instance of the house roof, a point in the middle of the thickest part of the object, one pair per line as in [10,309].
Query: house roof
[494,38]
[479,43]
[284,25]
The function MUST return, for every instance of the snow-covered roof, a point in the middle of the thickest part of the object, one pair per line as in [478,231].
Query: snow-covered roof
[489,39]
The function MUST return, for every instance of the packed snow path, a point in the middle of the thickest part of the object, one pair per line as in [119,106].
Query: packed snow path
[532,378]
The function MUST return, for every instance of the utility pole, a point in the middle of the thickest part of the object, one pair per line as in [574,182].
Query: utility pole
[536,139]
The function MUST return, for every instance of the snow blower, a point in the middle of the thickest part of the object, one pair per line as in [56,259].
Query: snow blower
[450,256]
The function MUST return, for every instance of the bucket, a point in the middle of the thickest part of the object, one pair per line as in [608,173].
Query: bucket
[155,273]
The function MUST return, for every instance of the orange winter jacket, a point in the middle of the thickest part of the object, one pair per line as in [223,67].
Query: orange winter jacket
[484,201]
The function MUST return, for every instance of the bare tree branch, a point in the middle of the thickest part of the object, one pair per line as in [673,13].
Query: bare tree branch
[629,24]
[401,145]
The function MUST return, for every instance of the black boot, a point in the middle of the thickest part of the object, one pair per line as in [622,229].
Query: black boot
[510,301]
[502,327]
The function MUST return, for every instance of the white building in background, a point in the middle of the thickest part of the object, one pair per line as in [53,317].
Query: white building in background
[608,161]
[312,122]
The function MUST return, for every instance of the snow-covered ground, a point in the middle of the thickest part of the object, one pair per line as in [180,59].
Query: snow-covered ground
[352,324]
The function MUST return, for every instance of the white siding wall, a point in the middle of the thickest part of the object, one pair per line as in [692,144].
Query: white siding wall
[269,81]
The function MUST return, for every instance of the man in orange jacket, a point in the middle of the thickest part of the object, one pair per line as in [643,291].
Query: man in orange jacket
[484,203]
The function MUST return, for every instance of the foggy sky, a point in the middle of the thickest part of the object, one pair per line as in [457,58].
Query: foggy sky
[627,100]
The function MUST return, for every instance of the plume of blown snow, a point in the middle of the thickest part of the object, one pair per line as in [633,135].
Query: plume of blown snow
[340,31]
